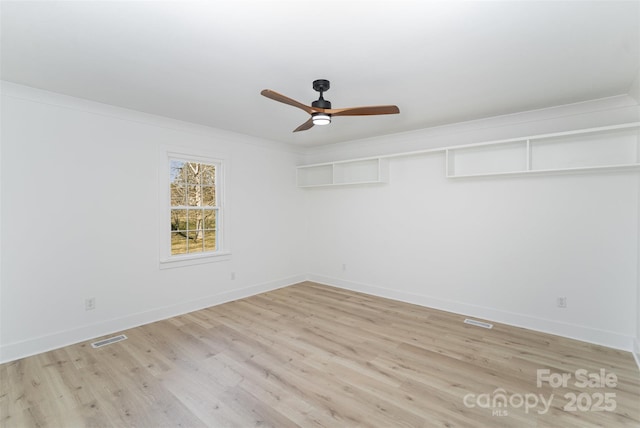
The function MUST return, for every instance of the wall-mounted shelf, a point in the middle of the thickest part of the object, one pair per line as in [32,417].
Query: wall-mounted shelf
[362,171]
[595,149]
[605,148]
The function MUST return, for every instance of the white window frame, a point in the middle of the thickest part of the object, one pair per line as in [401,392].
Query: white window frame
[222,253]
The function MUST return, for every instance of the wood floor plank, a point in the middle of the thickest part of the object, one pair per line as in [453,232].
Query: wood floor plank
[311,355]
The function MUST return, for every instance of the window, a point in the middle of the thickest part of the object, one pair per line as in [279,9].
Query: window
[192,227]
[194,207]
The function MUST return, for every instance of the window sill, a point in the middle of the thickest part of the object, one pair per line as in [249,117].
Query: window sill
[191,260]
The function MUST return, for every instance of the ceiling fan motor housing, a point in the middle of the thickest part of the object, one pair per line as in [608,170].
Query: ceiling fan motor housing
[321,103]
[321,85]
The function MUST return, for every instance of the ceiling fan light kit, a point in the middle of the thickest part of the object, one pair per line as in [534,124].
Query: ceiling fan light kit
[321,119]
[321,111]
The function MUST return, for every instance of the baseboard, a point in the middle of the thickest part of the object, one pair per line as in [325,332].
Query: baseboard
[585,334]
[16,350]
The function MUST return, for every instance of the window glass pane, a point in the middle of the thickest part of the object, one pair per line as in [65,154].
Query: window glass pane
[177,172]
[178,195]
[209,240]
[178,219]
[209,196]
[208,175]
[195,242]
[196,196]
[178,243]
[191,192]
[209,219]
[194,219]
[193,173]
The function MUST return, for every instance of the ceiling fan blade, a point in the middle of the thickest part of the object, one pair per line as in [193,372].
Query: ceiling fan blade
[308,124]
[363,111]
[286,100]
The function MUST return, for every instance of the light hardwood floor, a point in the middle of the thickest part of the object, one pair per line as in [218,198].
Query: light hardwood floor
[311,355]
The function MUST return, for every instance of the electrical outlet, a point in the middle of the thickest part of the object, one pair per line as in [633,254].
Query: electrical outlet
[344,267]
[90,304]
[562,302]
[233,276]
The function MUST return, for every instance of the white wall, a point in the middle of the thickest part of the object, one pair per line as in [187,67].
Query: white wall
[80,219]
[635,93]
[634,90]
[501,248]
[636,343]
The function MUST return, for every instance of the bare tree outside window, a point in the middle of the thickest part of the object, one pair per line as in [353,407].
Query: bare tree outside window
[194,210]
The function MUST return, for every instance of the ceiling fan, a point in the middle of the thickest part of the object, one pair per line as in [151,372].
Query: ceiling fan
[321,111]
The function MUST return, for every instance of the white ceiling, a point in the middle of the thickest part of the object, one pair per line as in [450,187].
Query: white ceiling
[439,61]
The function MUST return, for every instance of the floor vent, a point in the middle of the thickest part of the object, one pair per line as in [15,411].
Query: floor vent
[478,323]
[108,341]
